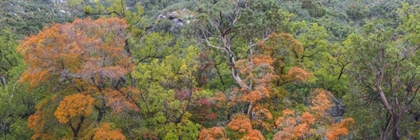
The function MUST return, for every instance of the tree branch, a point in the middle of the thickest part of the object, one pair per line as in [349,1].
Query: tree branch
[384,101]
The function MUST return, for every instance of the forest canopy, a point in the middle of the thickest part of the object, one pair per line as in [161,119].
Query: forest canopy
[199,69]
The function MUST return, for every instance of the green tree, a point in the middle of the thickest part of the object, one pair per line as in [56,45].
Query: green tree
[15,107]
[8,56]
[168,89]
[324,59]
[386,68]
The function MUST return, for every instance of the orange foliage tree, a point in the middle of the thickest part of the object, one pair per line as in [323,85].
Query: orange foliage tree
[71,106]
[105,132]
[242,124]
[212,133]
[292,126]
[313,123]
[85,64]
[272,62]
[260,69]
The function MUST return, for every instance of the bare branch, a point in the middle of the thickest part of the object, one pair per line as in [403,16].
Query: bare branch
[208,42]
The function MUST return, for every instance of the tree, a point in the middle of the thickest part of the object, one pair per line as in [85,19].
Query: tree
[86,60]
[105,132]
[71,106]
[262,70]
[212,133]
[316,125]
[8,56]
[168,91]
[253,64]
[314,122]
[386,64]
[241,123]
[133,15]
[15,107]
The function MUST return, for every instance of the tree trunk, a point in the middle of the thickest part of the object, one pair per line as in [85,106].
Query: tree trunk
[77,129]
[396,127]
[249,113]
[101,111]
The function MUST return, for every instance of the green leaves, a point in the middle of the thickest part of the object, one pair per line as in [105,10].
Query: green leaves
[167,89]
[184,130]
[177,80]
[9,58]
[410,16]
[384,67]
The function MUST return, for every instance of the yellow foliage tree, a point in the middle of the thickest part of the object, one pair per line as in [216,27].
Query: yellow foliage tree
[74,105]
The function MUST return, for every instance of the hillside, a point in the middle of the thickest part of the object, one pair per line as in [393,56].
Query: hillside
[209,69]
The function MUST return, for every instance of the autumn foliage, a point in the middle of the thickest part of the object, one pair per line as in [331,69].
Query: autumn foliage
[106,132]
[82,49]
[88,57]
[214,133]
[242,124]
[272,63]
[340,129]
[293,126]
[72,106]
[209,69]
[299,74]
[35,124]
[95,71]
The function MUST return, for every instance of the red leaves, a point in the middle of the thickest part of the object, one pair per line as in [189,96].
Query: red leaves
[211,116]
[182,95]
[202,111]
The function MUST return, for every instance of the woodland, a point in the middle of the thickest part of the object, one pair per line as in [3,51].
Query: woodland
[210,69]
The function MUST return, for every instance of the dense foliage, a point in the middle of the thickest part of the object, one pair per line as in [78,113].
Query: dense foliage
[209,69]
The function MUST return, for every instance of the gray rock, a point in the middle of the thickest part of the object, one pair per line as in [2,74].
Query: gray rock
[177,24]
[161,16]
[173,15]
[63,11]
[338,110]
